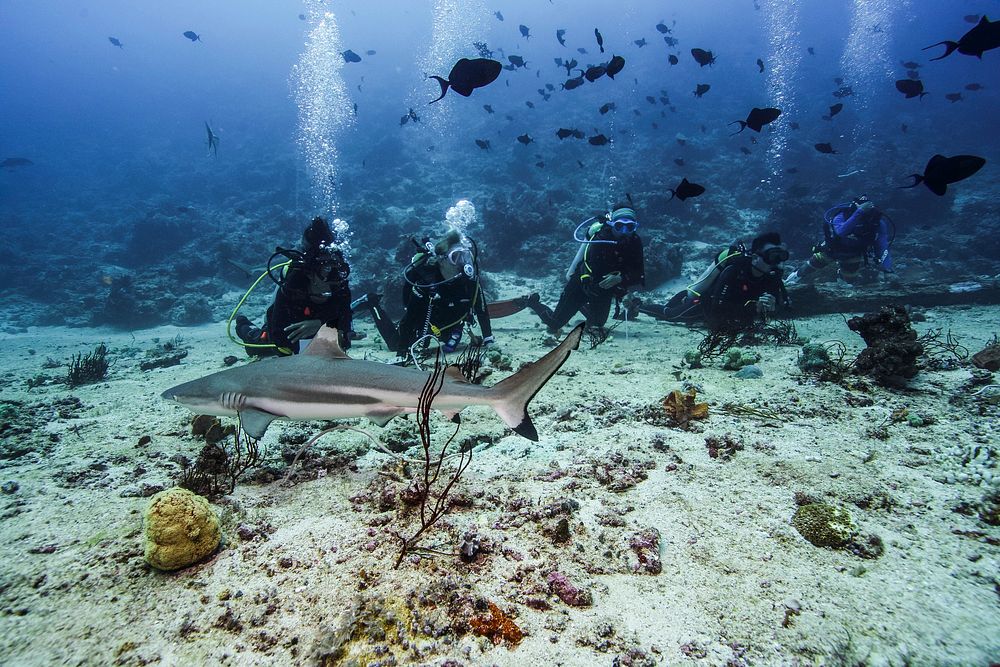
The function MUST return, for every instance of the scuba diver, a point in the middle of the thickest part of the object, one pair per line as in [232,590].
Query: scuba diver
[608,263]
[312,291]
[739,288]
[441,294]
[856,233]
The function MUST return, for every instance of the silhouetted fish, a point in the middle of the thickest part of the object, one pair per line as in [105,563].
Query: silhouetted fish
[669,41]
[685,190]
[483,143]
[573,83]
[525,139]
[824,148]
[540,164]
[843,91]
[192,35]
[597,140]
[568,64]
[811,51]
[564,133]
[760,64]
[467,75]
[703,57]
[213,139]
[498,15]
[974,86]
[12,163]
[650,99]
[834,110]
[663,29]
[517,61]
[984,37]
[672,59]
[594,73]
[607,107]
[116,42]
[600,39]
[953,97]
[615,65]
[370,52]
[639,42]
[351,56]
[561,36]
[525,31]
[529,104]
[941,171]
[488,108]
[757,119]
[701,89]
[302,17]
[581,50]
[679,161]
[911,88]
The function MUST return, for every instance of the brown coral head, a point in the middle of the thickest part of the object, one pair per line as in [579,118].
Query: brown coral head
[497,626]
[681,407]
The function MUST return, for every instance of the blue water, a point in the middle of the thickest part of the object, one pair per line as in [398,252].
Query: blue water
[117,135]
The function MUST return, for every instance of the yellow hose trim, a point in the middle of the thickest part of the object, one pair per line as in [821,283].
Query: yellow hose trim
[236,310]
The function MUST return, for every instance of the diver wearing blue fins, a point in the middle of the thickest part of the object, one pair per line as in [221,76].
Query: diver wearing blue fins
[312,290]
[608,264]
[856,234]
[741,287]
[442,293]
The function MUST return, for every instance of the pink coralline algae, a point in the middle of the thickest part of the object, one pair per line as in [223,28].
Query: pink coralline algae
[567,592]
[646,545]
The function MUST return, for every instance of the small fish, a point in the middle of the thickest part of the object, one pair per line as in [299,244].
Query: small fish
[525,139]
[580,162]
[568,64]
[744,150]
[13,163]
[650,99]
[488,108]
[573,83]
[615,65]
[910,64]
[403,120]
[679,161]
[685,189]
[834,110]
[904,127]
[540,164]
[355,108]
[843,91]
[529,104]
[525,31]
[351,56]
[942,171]
[192,35]
[672,59]
[564,133]
[561,36]
[640,42]
[661,28]
[757,118]
[370,52]
[302,17]
[665,101]
[983,37]
[213,140]
[549,86]
[594,73]
[115,41]
[760,64]
[517,61]
[413,115]
[701,89]
[581,50]
[824,148]
[609,106]
[498,15]
[467,75]
[703,57]
[598,140]
[953,97]
[811,51]
[911,88]
[669,41]
[483,144]
[600,39]
[973,86]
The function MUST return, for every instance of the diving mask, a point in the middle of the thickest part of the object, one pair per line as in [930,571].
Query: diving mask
[774,255]
[461,257]
[624,226]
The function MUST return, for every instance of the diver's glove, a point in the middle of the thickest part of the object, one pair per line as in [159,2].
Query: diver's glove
[452,343]
[303,329]
[610,280]
[766,303]
[488,340]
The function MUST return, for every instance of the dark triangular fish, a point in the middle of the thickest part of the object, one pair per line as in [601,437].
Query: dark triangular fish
[685,190]
[598,140]
[639,42]
[953,97]
[581,50]
[661,28]
[594,73]
[672,59]
[467,75]
[703,57]
[760,64]
[351,56]
[615,65]
[701,89]
[483,143]
[974,86]
[517,61]
[941,171]
[573,83]
[824,148]
[192,35]
[116,42]
[834,110]
[498,15]
[213,140]
[757,119]
[911,88]
[561,36]
[600,39]
[525,31]
[15,162]
[488,108]
[984,37]
[525,139]
[606,108]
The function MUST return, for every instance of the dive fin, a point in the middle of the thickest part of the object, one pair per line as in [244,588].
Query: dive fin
[444,87]
[949,47]
[517,391]
[255,422]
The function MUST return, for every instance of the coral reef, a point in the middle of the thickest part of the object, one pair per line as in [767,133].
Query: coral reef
[736,358]
[646,545]
[893,349]
[180,529]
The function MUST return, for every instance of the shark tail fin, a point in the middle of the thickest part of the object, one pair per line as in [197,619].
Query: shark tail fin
[515,392]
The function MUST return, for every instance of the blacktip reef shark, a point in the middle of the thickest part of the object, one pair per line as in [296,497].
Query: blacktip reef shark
[324,383]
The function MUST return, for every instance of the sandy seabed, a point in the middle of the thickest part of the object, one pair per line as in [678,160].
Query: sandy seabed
[305,572]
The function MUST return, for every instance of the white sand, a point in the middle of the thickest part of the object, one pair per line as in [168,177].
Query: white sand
[732,563]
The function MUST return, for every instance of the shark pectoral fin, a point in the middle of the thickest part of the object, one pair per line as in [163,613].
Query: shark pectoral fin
[382,417]
[326,344]
[255,422]
[454,373]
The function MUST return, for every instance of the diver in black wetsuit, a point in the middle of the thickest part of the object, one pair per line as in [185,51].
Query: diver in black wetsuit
[441,293]
[312,291]
[608,264]
[739,288]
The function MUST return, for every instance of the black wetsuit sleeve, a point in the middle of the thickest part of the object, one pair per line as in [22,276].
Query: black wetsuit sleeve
[634,264]
[482,313]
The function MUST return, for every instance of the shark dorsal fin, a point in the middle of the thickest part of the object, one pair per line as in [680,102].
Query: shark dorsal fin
[326,344]
[454,373]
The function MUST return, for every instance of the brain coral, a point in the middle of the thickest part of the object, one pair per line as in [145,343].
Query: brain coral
[180,529]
